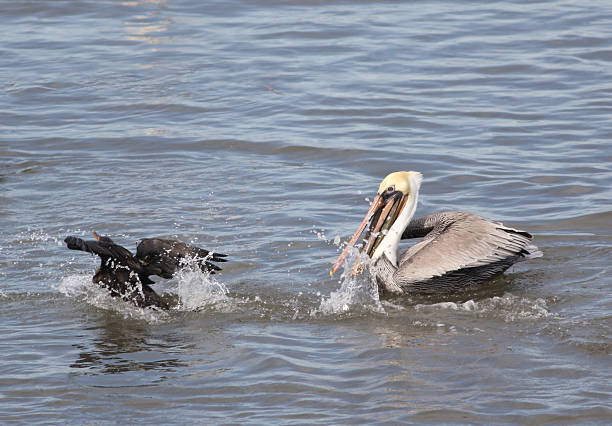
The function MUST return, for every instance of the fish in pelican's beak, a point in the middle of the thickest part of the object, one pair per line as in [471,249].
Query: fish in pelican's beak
[391,210]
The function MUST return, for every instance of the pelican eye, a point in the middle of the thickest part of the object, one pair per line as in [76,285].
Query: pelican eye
[391,189]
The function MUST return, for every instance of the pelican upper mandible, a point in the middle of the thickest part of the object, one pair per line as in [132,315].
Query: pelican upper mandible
[458,249]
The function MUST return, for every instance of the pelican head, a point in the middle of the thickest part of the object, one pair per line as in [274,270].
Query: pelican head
[389,215]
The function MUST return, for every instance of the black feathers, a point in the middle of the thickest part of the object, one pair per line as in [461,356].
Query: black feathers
[127,276]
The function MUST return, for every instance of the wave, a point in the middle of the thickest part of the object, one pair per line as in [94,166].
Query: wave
[509,307]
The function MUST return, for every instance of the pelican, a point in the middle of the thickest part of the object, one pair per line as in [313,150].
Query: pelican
[457,250]
[127,276]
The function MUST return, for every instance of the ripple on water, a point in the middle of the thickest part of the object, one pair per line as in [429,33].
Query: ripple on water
[259,128]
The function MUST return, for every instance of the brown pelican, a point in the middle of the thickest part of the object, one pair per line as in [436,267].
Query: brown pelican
[127,276]
[458,249]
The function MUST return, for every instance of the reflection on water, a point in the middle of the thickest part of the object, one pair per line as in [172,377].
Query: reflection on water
[149,28]
[126,346]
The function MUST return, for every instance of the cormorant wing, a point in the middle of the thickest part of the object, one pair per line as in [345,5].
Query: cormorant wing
[166,256]
[109,252]
[103,248]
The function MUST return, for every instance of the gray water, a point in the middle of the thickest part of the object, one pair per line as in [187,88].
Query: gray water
[260,129]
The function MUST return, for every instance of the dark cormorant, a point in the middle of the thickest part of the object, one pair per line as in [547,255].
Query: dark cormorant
[127,276]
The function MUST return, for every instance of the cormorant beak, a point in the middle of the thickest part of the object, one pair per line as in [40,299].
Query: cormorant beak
[383,212]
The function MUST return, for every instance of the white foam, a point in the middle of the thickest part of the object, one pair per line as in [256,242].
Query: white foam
[508,307]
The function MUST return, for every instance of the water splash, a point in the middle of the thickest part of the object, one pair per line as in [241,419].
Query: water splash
[357,292]
[199,290]
[196,290]
[74,285]
[37,235]
[81,287]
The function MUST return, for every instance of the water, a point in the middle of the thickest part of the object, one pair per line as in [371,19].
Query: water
[259,129]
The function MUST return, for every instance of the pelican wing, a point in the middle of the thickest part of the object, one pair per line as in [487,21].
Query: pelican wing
[458,240]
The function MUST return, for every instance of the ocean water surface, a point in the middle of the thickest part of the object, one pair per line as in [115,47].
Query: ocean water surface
[261,130]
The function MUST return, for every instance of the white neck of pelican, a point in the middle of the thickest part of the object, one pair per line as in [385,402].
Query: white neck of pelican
[389,245]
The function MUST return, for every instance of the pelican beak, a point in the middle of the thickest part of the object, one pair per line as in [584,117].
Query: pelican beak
[383,212]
